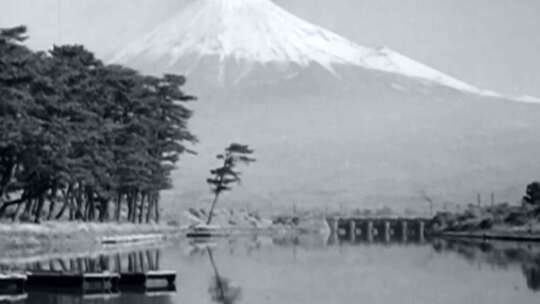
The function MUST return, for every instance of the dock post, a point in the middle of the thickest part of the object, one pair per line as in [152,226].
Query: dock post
[170,282]
[352,230]
[21,285]
[404,232]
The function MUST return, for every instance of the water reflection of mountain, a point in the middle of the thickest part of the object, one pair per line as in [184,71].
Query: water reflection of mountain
[498,254]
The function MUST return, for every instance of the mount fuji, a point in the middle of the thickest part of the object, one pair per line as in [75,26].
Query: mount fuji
[333,122]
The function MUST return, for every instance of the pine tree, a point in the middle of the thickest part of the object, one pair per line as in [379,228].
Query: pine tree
[225,176]
[82,136]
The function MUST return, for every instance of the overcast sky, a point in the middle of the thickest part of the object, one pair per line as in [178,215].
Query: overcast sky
[494,44]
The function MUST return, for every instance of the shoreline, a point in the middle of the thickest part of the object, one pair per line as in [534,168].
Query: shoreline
[491,235]
[56,238]
[23,240]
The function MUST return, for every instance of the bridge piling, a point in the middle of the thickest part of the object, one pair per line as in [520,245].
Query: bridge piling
[422,230]
[404,232]
[352,230]
[387,231]
[370,231]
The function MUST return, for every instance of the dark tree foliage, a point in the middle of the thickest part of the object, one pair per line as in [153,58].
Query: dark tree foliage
[532,194]
[225,176]
[83,140]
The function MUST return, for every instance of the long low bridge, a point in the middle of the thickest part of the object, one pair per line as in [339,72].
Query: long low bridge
[357,229]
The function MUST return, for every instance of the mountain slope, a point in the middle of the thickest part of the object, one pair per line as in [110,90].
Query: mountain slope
[333,122]
[385,140]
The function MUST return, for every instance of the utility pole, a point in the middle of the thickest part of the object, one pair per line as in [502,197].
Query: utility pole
[479,199]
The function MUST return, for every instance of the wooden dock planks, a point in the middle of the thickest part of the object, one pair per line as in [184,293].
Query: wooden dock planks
[150,280]
[138,238]
[88,282]
[12,283]
[85,281]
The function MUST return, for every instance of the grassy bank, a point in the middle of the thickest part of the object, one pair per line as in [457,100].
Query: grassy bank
[51,237]
[501,221]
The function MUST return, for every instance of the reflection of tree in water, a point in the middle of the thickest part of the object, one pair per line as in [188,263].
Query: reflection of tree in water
[67,298]
[532,273]
[221,289]
[501,255]
[136,261]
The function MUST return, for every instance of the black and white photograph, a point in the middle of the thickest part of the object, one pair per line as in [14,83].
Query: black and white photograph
[269,151]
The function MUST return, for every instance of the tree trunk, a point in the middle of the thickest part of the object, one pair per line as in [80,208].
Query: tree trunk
[25,216]
[103,209]
[62,211]
[133,208]
[118,209]
[72,208]
[150,207]
[51,210]
[211,213]
[141,207]
[79,212]
[52,201]
[39,209]
[5,205]
[26,197]
[129,198]
[16,213]
[156,208]
[91,206]
[6,178]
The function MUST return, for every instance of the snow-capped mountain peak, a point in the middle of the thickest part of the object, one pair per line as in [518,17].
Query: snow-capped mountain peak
[261,32]
[251,30]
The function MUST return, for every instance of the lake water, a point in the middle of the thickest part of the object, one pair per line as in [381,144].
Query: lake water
[310,270]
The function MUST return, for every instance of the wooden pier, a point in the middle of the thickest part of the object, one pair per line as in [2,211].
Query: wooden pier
[206,231]
[148,281]
[138,238]
[85,282]
[58,295]
[97,276]
[12,285]
[14,298]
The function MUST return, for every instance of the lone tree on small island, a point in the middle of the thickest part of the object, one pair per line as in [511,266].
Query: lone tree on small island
[225,176]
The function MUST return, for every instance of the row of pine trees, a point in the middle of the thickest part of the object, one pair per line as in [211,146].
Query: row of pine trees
[83,140]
